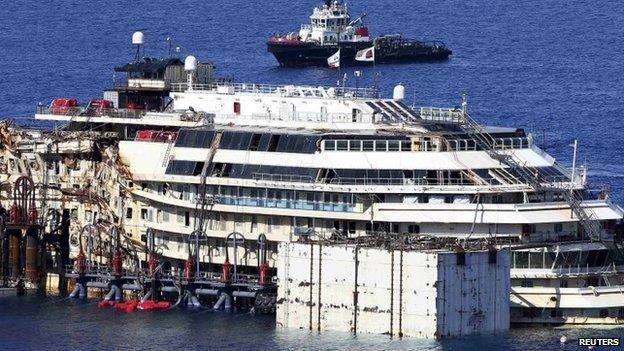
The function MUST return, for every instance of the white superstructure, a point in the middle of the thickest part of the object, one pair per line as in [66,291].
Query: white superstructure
[293,160]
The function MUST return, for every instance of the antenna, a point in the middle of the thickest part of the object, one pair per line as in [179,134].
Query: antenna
[169,43]
[138,40]
[464,104]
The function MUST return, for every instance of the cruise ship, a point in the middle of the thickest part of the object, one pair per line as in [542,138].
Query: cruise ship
[173,155]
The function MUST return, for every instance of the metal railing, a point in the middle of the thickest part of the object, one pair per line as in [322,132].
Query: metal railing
[438,114]
[300,117]
[282,177]
[285,203]
[89,112]
[282,90]
[384,145]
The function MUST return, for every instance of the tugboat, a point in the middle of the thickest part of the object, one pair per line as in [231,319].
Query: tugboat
[332,33]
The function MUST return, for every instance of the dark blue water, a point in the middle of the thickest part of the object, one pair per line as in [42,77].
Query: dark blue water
[32,323]
[553,67]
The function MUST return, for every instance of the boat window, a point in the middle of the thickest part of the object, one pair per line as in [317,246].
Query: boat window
[368,145]
[393,145]
[536,260]
[521,259]
[381,145]
[406,145]
[180,167]
[194,138]
[341,145]
[355,145]
[255,142]
[273,142]
[330,145]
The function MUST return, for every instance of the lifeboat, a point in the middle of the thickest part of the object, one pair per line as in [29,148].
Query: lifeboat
[99,107]
[63,106]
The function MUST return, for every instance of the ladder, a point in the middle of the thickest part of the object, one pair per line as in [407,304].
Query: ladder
[529,175]
[168,153]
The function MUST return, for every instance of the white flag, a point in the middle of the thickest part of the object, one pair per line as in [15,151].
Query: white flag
[334,60]
[366,55]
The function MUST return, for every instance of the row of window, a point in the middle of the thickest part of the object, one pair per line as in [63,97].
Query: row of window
[573,259]
[356,176]
[238,140]
[421,145]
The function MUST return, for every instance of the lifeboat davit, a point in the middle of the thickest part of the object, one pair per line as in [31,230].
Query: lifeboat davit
[154,305]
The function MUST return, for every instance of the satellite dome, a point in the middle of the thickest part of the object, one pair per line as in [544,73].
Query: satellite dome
[137,38]
[399,92]
[190,63]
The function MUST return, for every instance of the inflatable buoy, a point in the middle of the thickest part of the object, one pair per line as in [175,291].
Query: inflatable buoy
[105,303]
[128,306]
[154,305]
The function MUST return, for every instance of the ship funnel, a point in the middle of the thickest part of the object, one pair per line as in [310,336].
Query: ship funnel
[138,38]
[399,92]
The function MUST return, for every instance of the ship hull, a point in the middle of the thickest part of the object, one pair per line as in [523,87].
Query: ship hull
[312,54]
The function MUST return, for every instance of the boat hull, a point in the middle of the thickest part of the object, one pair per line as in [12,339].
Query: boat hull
[290,54]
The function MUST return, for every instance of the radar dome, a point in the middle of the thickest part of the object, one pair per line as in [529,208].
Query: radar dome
[399,92]
[137,38]
[190,63]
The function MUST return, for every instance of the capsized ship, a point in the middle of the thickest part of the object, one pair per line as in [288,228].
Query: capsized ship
[204,180]
[331,30]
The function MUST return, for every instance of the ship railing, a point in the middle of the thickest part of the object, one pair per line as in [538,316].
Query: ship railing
[299,117]
[439,114]
[286,203]
[406,181]
[282,177]
[306,26]
[91,112]
[302,91]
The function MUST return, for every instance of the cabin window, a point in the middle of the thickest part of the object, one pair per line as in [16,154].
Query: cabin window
[558,227]
[330,145]
[129,213]
[187,218]
[527,283]
[413,229]
[237,108]
[341,145]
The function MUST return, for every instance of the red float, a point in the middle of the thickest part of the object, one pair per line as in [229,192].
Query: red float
[226,277]
[80,263]
[117,264]
[189,268]
[264,273]
[152,265]
[154,305]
